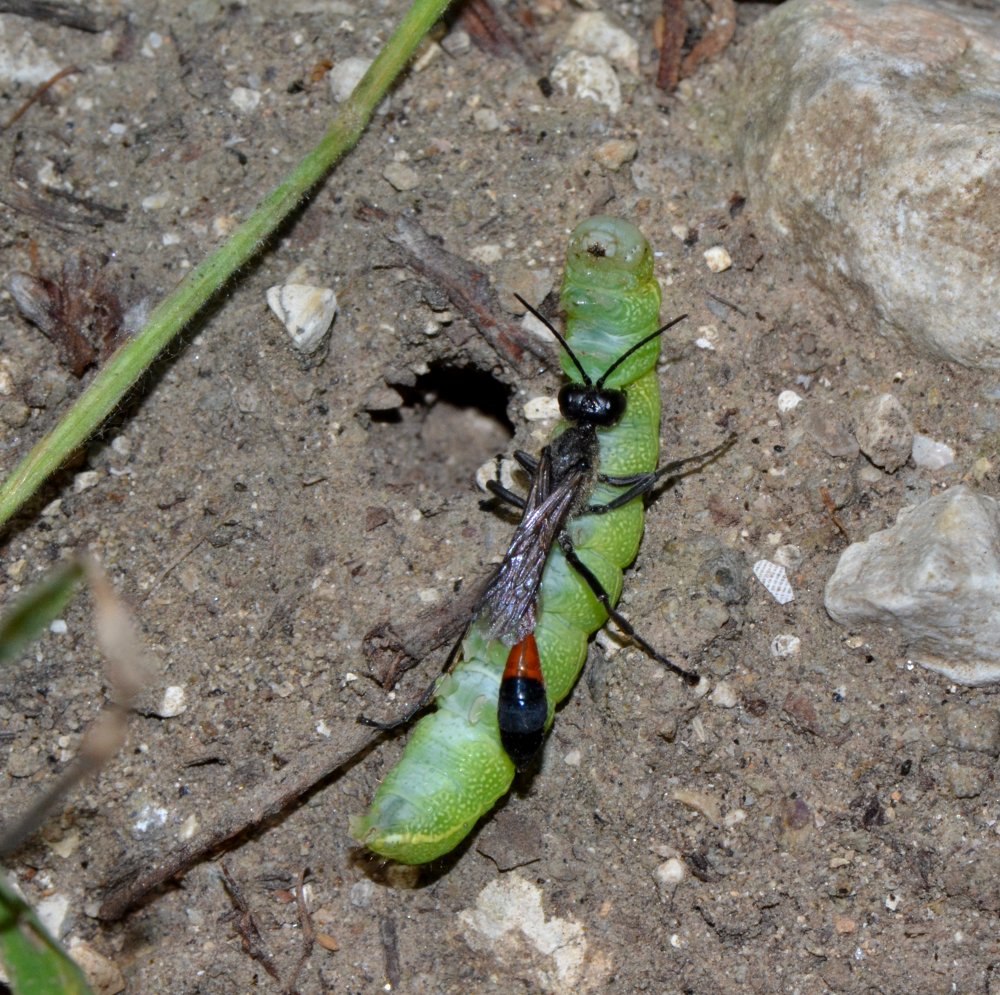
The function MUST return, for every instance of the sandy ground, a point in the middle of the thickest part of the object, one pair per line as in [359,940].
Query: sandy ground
[833,812]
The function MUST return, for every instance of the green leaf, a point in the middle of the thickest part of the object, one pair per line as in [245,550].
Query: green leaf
[35,963]
[33,613]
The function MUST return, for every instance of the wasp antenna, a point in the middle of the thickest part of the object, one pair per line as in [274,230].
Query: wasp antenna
[569,352]
[628,352]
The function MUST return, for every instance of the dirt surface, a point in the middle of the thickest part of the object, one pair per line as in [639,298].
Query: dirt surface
[824,821]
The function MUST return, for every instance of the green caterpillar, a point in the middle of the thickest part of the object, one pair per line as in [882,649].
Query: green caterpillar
[454,767]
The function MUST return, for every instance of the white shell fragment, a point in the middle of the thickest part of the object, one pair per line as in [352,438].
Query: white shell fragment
[775,581]
[934,580]
[306,312]
[717,259]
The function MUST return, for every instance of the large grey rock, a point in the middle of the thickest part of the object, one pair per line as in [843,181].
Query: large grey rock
[934,578]
[868,133]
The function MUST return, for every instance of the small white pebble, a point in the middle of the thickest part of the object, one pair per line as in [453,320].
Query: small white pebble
[788,556]
[188,827]
[58,626]
[592,32]
[52,910]
[788,400]
[785,645]
[486,119]
[173,702]
[488,254]
[734,818]
[429,596]
[931,455]
[155,201]
[401,176]
[588,77]
[573,758]
[346,75]
[670,873]
[323,729]
[724,695]
[892,901]
[541,409]
[85,480]
[717,259]
[244,99]
[456,42]
[488,472]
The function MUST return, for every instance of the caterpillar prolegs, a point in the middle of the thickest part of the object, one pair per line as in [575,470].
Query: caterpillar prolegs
[454,767]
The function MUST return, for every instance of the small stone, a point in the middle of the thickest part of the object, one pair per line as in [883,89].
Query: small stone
[53,911]
[965,781]
[306,312]
[362,893]
[788,556]
[700,801]
[541,409]
[724,695]
[505,477]
[931,580]
[456,42]
[346,75]
[670,873]
[785,645]
[14,413]
[23,762]
[588,77]
[931,455]
[595,34]
[830,434]
[972,729]
[155,201]
[885,432]
[717,259]
[102,973]
[788,400]
[401,176]
[85,480]
[485,119]
[615,153]
[17,570]
[173,702]
[244,99]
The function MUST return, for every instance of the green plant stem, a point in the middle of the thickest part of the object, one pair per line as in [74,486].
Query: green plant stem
[170,317]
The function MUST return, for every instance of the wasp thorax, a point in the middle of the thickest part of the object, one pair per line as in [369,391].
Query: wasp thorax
[591,405]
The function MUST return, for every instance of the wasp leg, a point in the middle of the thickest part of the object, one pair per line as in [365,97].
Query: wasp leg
[528,462]
[498,490]
[623,623]
[642,483]
[425,698]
